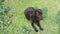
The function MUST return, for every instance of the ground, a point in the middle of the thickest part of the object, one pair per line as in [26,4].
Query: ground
[21,25]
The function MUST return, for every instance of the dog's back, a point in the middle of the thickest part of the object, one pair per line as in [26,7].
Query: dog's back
[29,12]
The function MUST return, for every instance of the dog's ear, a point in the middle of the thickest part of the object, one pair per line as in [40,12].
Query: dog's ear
[40,11]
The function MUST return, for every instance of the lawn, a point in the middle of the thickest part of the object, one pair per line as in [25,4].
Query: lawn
[20,25]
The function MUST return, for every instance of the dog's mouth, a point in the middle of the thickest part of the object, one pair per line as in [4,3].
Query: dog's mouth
[39,18]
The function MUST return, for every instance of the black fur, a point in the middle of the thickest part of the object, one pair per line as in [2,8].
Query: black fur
[35,16]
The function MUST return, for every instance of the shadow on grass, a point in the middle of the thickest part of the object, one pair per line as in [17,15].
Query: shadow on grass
[58,21]
[45,12]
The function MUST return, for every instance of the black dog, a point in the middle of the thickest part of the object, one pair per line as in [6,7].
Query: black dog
[34,15]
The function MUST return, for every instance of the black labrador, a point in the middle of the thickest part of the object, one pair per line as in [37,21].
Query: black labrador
[34,16]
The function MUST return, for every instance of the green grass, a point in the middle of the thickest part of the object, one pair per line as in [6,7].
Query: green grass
[20,25]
